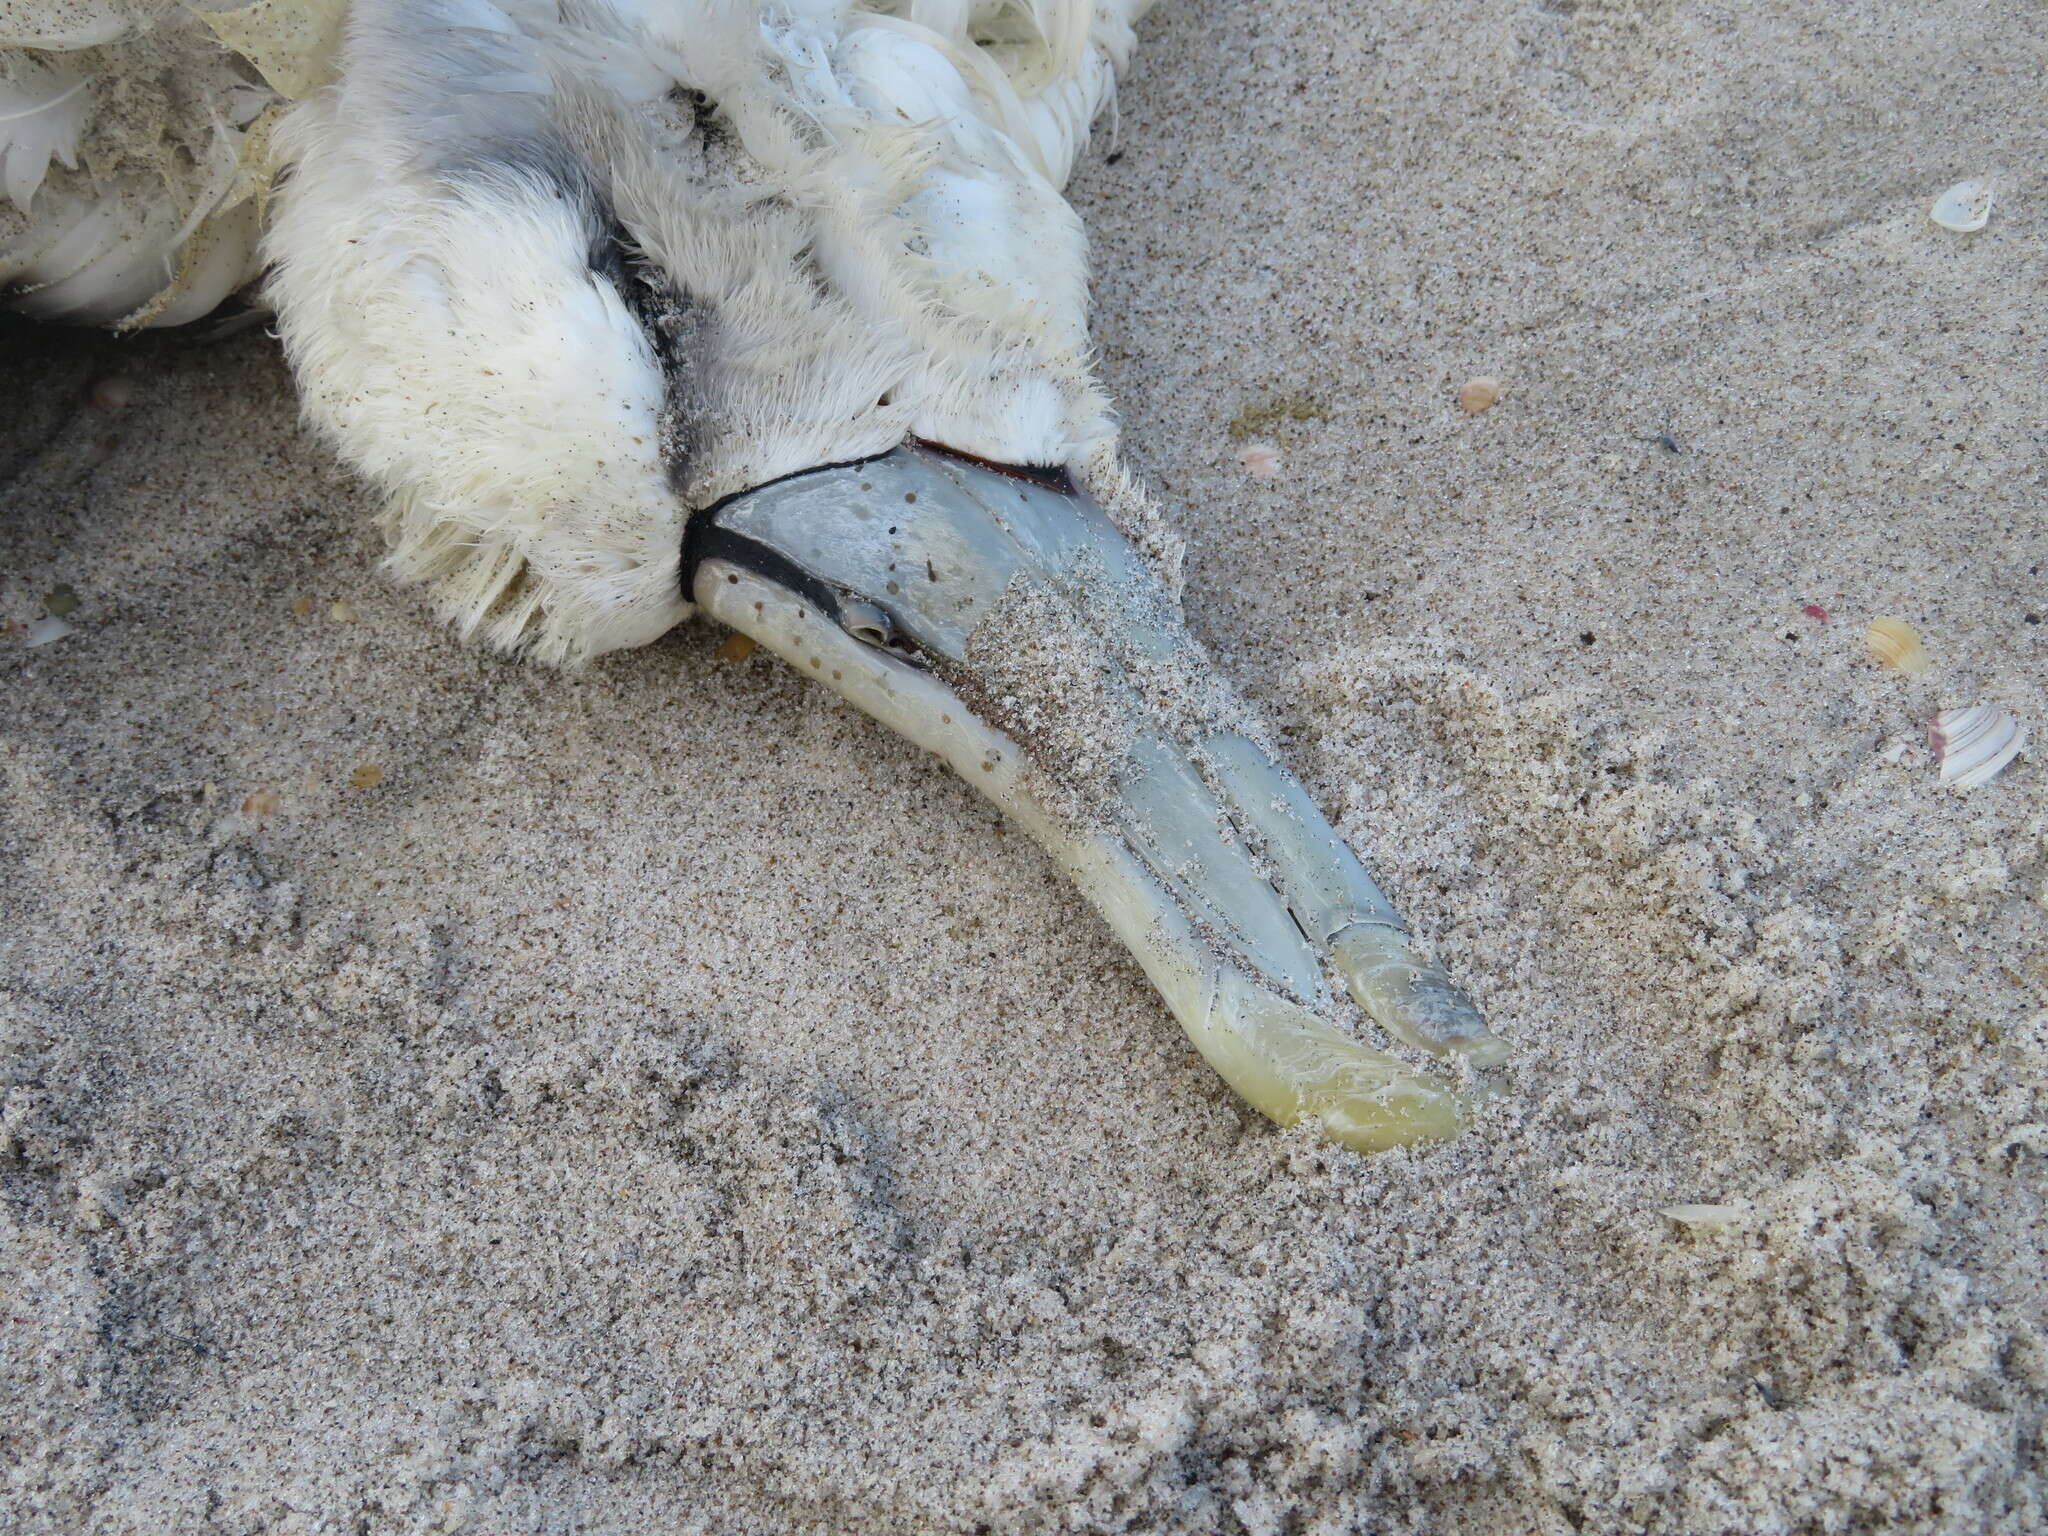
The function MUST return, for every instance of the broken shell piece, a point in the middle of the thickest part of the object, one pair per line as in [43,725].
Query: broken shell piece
[111,394]
[1975,745]
[1711,1220]
[1477,395]
[1259,460]
[1964,207]
[45,630]
[1897,645]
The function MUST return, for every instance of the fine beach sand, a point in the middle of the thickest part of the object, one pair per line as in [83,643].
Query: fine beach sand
[662,1102]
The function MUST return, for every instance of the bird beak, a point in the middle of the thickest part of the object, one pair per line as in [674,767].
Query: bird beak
[998,619]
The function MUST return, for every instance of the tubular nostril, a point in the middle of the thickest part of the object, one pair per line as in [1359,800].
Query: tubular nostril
[867,623]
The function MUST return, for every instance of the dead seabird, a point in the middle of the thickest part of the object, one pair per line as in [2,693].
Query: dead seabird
[772,309]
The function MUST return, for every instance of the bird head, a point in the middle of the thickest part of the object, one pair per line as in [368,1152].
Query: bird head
[786,320]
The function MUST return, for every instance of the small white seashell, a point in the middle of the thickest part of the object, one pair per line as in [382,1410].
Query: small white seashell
[1975,745]
[45,630]
[1964,207]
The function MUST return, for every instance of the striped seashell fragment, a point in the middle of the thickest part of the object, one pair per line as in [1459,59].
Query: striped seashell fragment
[1896,644]
[1975,745]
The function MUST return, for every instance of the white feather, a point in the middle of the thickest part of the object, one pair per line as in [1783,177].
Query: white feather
[107,252]
[42,114]
[62,26]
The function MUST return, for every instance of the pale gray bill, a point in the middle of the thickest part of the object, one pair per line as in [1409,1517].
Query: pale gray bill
[900,582]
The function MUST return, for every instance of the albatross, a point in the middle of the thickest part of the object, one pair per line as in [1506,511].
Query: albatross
[771,310]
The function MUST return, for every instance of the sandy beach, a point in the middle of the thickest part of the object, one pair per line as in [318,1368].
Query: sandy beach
[444,1095]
